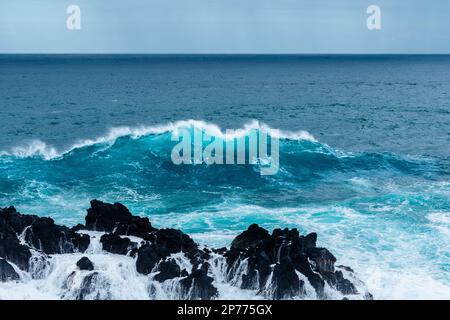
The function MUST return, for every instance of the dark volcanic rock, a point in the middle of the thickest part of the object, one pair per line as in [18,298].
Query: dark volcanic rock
[285,283]
[16,221]
[115,244]
[198,285]
[7,272]
[12,250]
[168,269]
[322,258]
[85,264]
[281,255]
[337,281]
[87,286]
[94,287]
[78,227]
[148,257]
[257,260]
[163,243]
[43,234]
[309,241]
[252,237]
[139,227]
[346,268]
[10,247]
[105,217]
[40,233]
[316,280]
[116,217]
[171,241]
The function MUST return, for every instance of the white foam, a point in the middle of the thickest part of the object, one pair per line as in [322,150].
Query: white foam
[33,148]
[377,242]
[440,220]
[120,279]
[412,284]
[48,152]
[116,278]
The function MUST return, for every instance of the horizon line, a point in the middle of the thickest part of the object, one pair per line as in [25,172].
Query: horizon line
[225,54]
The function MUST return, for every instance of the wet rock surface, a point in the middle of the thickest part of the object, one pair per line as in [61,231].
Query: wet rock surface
[38,233]
[11,225]
[85,264]
[168,269]
[198,285]
[278,265]
[89,289]
[7,272]
[44,235]
[274,260]
[114,243]
[116,217]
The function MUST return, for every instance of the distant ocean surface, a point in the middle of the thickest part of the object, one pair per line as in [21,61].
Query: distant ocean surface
[364,154]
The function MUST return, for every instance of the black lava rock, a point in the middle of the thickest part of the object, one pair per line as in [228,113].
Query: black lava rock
[113,243]
[12,250]
[148,257]
[11,224]
[116,217]
[78,227]
[39,233]
[278,257]
[252,237]
[198,285]
[85,264]
[163,243]
[168,269]
[285,283]
[94,287]
[273,262]
[16,221]
[322,258]
[43,234]
[105,217]
[7,272]
[172,241]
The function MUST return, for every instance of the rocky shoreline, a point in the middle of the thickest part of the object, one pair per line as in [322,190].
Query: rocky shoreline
[278,265]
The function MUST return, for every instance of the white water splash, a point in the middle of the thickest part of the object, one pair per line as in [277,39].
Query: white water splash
[48,152]
[115,277]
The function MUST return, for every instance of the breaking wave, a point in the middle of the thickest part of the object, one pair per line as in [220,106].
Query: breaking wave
[385,214]
[40,148]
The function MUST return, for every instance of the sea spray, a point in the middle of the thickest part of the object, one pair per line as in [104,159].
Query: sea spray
[374,209]
[190,271]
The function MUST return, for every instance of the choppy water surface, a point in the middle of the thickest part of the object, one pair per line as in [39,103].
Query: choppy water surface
[364,154]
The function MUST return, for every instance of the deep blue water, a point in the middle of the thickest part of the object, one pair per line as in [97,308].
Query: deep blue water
[374,181]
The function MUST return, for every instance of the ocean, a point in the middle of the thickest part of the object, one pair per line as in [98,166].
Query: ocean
[364,150]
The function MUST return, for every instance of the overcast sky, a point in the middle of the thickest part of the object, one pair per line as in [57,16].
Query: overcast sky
[224,26]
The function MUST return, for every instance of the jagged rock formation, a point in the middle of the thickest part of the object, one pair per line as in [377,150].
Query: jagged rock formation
[85,264]
[280,265]
[19,233]
[7,271]
[114,243]
[116,217]
[280,256]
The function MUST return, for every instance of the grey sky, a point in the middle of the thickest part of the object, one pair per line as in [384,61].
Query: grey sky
[224,26]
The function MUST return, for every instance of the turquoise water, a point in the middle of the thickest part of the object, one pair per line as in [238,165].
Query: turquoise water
[370,175]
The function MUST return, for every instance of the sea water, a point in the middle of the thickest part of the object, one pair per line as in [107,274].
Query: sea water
[364,154]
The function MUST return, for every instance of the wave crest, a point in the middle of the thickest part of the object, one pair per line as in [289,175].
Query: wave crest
[38,148]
